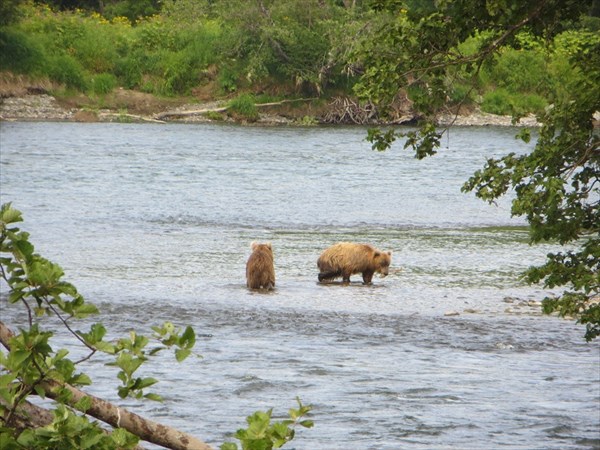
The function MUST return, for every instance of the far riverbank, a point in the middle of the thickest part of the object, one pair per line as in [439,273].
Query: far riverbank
[132,106]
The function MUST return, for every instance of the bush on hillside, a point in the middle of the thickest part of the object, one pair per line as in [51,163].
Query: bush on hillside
[19,53]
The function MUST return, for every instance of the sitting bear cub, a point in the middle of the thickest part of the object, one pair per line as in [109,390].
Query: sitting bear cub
[347,258]
[260,271]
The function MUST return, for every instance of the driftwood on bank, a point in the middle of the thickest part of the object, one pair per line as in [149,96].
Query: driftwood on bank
[219,109]
[344,110]
[115,416]
[130,116]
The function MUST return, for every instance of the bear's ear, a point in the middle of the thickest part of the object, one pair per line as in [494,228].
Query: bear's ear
[254,245]
[268,244]
[389,253]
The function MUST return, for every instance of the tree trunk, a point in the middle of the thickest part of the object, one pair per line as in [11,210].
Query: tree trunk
[145,429]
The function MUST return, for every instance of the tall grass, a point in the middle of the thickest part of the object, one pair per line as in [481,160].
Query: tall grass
[80,50]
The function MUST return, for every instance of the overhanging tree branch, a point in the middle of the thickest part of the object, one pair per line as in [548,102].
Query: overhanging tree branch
[115,416]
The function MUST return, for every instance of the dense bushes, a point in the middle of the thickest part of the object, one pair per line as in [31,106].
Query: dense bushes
[87,52]
[19,53]
[524,79]
[302,45]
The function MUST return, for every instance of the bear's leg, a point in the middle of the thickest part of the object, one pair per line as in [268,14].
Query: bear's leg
[367,277]
[324,276]
[346,277]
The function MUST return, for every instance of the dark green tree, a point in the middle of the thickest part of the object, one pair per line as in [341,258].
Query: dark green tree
[9,11]
[291,41]
[414,46]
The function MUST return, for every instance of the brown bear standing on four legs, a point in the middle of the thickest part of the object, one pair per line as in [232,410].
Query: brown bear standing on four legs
[260,271]
[347,258]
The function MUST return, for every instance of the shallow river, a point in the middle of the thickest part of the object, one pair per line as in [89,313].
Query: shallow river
[154,223]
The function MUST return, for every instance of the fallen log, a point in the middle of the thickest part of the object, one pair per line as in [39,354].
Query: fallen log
[131,116]
[192,112]
[115,416]
[218,109]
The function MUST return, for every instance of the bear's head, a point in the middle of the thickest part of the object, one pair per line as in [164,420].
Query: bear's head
[382,262]
[261,247]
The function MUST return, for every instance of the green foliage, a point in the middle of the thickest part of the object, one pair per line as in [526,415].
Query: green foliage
[103,83]
[293,40]
[9,11]
[557,185]
[228,78]
[156,55]
[244,106]
[502,102]
[132,9]
[262,434]
[520,70]
[67,70]
[19,53]
[69,430]
[310,45]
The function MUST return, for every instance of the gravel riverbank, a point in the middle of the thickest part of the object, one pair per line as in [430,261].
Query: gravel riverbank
[44,107]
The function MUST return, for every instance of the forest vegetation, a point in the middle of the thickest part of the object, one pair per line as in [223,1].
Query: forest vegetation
[264,51]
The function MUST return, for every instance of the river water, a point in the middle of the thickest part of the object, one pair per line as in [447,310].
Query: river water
[154,222]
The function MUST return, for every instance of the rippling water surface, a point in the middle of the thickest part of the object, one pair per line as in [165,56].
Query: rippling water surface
[154,223]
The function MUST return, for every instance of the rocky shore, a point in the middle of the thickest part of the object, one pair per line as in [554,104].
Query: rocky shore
[44,107]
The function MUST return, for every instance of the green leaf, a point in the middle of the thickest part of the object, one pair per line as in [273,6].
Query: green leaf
[229,446]
[8,214]
[181,354]
[142,383]
[188,338]
[123,438]
[17,358]
[307,423]
[154,397]
[80,379]
[83,404]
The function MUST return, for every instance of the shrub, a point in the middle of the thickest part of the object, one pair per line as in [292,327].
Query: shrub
[67,70]
[244,106]
[502,102]
[129,71]
[497,102]
[529,103]
[459,93]
[227,79]
[520,71]
[103,83]
[177,73]
[20,53]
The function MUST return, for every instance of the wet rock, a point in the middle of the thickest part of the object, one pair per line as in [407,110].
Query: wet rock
[451,313]
[504,346]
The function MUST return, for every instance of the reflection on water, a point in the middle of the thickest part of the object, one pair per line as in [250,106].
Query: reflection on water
[154,223]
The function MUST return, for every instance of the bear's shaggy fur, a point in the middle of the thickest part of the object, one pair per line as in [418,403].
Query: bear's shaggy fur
[260,271]
[347,258]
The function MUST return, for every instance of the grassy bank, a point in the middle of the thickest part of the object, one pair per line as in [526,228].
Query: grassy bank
[293,50]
